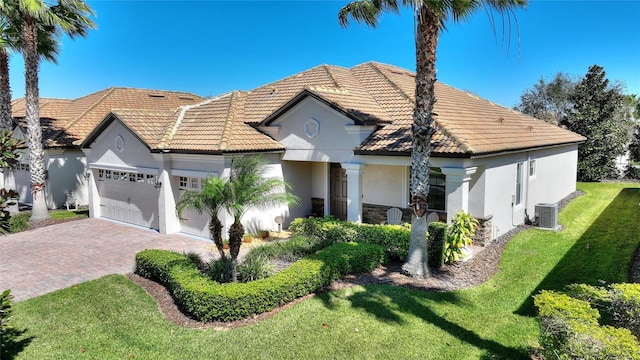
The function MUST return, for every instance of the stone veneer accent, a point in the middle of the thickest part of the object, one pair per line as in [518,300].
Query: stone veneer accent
[484,232]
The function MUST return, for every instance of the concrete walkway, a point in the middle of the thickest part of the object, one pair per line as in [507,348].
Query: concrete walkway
[46,259]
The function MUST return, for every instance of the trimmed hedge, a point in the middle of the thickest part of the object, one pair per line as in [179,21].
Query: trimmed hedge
[395,239]
[207,300]
[570,326]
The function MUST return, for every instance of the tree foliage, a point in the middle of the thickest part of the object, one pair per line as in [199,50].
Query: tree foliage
[430,20]
[595,108]
[548,100]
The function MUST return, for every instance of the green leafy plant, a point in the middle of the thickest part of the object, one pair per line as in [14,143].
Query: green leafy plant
[207,300]
[571,328]
[219,270]
[5,309]
[436,244]
[196,258]
[19,222]
[255,268]
[459,234]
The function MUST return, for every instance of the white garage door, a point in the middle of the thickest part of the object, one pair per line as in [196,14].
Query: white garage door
[128,197]
[190,221]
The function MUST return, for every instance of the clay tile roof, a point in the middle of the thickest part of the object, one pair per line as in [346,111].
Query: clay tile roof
[217,126]
[149,125]
[73,120]
[465,124]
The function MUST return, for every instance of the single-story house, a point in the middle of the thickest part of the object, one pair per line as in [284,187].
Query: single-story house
[341,137]
[65,124]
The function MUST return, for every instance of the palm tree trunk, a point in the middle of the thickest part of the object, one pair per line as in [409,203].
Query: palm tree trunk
[34,131]
[427,34]
[6,120]
[215,228]
[236,231]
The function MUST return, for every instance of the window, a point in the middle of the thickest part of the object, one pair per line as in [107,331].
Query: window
[532,168]
[22,166]
[437,195]
[519,168]
[191,183]
[437,185]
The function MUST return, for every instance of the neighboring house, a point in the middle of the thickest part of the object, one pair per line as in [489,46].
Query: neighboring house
[342,138]
[65,124]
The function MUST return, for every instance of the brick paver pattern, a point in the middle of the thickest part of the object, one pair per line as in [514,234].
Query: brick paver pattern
[46,259]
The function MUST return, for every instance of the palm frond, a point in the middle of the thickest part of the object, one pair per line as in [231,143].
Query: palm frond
[367,11]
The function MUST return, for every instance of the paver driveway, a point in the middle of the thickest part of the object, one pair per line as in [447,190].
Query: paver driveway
[39,261]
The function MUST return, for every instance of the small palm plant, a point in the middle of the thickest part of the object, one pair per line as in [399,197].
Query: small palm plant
[248,188]
[459,234]
[211,199]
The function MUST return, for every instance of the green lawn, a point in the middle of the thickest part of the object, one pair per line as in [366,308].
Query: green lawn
[112,318]
[64,214]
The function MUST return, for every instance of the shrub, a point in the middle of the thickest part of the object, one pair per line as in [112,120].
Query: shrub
[459,234]
[5,310]
[219,270]
[328,230]
[288,250]
[206,300]
[196,258]
[255,268]
[570,329]
[436,244]
[19,222]
[625,306]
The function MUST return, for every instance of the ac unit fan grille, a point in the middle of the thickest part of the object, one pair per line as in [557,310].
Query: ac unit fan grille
[547,215]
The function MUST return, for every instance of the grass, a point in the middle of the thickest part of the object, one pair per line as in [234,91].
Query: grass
[112,318]
[64,214]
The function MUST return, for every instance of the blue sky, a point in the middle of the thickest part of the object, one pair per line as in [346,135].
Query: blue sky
[212,47]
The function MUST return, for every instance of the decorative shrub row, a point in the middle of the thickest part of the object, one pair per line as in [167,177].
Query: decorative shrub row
[207,300]
[570,327]
[395,239]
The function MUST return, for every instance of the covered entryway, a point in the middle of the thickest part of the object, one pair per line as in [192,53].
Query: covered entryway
[128,197]
[338,192]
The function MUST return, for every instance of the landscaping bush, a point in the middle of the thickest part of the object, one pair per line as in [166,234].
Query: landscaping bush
[459,235]
[570,329]
[5,310]
[393,238]
[219,270]
[196,258]
[19,222]
[288,250]
[436,244]
[255,268]
[207,300]
[625,306]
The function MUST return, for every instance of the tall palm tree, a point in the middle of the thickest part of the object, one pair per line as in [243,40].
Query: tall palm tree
[430,16]
[249,189]
[211,199]
[11,40]
[70,17]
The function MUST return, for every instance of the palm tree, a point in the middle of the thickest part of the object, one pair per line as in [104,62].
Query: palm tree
[211,199]
[249,189]
[10,40]
[430,16]
[70,17]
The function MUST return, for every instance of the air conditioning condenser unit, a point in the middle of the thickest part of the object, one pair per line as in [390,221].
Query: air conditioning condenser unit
[547,216]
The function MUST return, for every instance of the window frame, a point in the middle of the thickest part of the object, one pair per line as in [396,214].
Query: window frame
[519,183]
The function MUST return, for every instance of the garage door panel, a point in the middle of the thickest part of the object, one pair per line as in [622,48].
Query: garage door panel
[128,201]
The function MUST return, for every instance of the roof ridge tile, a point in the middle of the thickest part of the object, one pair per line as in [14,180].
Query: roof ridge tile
[168,136]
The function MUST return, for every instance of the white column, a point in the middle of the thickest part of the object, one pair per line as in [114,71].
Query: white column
[168,221]
[457,189]
[94,197]
[354,191]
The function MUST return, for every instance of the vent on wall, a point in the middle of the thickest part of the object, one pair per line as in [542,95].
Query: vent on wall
[546,216]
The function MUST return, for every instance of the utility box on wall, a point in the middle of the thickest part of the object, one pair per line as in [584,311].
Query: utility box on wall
[546,216]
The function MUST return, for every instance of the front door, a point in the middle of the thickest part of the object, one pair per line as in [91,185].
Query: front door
[338,192]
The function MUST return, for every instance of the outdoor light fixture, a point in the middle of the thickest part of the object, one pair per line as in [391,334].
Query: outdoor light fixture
[158,185]
[87,175]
